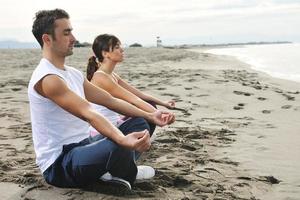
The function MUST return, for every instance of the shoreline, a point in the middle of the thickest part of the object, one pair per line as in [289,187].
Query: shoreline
[221,101]
[270,152]
[261,58]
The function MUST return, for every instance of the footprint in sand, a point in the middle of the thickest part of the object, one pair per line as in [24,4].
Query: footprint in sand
[167,140]
[179,181]
[191,80]
[203,189]
[203,95]
[286,106]
[221,81]
[196,105]
[297,92]
[188,147]
[16,89]
[242,93]
[239,106]
[268,179]
[266,111]
[270,126]
[152,84]
[146,186]
[261,98]
[289,97]
[169,94]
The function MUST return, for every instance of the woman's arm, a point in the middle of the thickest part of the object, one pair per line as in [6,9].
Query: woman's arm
[99,96]
[144,96]
[106,82]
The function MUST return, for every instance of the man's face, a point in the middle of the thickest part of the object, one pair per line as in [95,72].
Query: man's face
[64,39]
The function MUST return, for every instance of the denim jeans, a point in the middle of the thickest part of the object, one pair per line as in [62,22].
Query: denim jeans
[83,163]
[151,125]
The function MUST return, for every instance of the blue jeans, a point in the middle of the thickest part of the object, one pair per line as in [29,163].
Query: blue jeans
[83,163]
[151,125]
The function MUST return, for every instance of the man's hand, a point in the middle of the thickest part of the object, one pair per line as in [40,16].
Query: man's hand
[162,118]
[139,141]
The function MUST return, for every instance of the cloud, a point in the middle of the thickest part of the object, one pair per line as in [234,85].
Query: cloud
[143,20]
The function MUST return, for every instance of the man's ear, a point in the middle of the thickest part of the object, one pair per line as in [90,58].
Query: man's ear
[46,39]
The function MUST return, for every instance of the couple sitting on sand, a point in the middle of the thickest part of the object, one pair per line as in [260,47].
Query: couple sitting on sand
[79,137]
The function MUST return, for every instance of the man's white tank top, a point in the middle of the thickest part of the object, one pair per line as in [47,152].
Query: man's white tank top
[52,126]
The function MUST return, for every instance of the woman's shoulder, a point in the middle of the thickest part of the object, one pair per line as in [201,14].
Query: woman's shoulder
[103,78]
[116,76]
[100,74]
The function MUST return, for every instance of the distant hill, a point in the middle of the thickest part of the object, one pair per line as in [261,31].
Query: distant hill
[84,44]
[13,44]
[135,45]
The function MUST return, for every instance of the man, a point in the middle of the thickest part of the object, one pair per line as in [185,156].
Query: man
[60,114]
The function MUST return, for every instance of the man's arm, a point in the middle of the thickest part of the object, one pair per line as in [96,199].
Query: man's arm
[55,89]
[99,96]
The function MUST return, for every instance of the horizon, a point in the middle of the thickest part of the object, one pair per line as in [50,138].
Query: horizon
[15,44]
[176,22]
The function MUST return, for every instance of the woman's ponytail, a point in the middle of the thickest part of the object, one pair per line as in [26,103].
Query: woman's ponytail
[92,67]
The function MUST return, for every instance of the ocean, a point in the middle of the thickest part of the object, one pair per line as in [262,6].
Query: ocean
[278,60]
[277,154]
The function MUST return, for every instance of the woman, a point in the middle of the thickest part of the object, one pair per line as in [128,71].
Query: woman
[100,71]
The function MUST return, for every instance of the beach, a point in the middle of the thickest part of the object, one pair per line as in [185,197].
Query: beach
[226,109]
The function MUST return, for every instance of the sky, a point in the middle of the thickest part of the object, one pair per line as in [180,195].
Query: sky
[177,22]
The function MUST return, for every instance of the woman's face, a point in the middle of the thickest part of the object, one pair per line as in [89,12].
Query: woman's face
[117,53]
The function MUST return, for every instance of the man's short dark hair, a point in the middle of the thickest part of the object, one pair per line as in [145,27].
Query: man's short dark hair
[44,23]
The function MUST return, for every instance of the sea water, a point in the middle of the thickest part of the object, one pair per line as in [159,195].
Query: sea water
[277,154]
[277,60]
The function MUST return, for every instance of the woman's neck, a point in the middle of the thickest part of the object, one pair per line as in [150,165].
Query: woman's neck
[107,67]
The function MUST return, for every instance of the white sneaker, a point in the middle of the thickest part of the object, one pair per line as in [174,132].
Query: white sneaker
[144,173]
[107,177]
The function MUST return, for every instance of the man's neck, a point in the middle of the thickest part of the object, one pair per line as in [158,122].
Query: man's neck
[57,61]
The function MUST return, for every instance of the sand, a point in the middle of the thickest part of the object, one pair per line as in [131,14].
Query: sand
[197,157]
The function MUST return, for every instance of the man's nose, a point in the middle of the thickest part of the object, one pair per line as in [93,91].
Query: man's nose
[73,37]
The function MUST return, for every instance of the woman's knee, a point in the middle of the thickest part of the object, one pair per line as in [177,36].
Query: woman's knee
[134,125]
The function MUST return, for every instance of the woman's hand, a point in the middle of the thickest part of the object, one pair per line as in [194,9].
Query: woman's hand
[170,104]
[162,118]
[170,118]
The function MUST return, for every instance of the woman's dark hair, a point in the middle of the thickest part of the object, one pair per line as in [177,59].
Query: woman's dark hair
[104,42]
[44,23]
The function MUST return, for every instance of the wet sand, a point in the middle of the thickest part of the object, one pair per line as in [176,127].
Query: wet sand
[198,157]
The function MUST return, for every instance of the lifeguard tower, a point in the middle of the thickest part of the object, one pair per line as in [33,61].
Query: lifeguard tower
[158,42]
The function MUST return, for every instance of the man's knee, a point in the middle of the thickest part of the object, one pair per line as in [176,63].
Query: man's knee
[121,153]
[103,157]
[122,164]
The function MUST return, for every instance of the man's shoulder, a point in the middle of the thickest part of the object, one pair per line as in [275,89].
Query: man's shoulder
[43,68]
[43,65]
[72,69]
[75,72]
